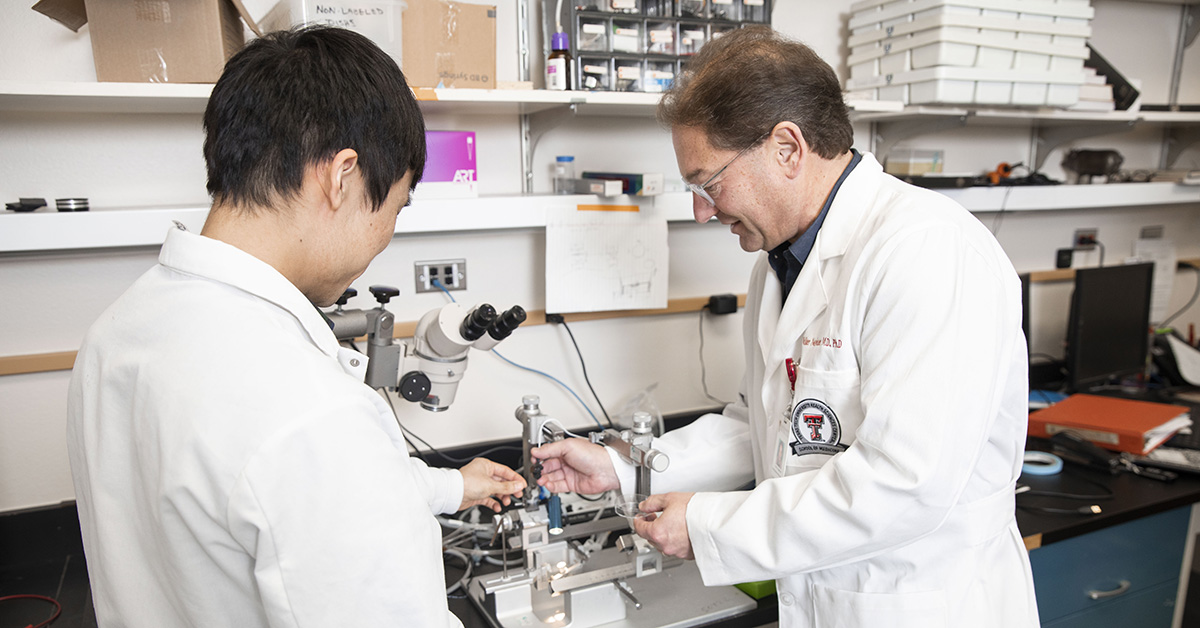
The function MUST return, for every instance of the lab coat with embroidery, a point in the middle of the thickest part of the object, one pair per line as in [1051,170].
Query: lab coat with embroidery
[885,481]
[231,467]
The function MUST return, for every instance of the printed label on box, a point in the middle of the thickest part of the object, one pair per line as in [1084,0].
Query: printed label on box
[449,166]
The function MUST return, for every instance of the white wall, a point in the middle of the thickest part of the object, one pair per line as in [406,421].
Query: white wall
[47,301]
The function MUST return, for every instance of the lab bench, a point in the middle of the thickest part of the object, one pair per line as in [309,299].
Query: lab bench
[1128,565]
[1134,557]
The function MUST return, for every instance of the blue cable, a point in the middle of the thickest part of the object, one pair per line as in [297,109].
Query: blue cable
[526,368]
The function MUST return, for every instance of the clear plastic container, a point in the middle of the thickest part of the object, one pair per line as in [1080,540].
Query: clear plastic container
[660,38]
[658,76]
[564,174]
[595,73]
[723,10]
[593,34]
[691,38]
[624,6]
[693,8]
[716,30]
[628,75]
[754,11]
[626,36]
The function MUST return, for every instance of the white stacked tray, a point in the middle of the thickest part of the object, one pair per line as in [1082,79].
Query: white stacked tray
[1015,52]
[947,84]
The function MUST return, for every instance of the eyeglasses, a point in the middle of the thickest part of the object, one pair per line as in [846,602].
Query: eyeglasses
[701,190]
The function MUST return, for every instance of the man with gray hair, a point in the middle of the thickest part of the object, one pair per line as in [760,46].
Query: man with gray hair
[882,414]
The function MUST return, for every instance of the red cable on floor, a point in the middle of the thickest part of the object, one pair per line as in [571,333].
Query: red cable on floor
[28,596]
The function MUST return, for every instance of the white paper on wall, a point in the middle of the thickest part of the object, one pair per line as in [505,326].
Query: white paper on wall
[605,260]
[1162,253]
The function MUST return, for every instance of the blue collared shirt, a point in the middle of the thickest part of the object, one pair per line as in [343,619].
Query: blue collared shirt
[787,259]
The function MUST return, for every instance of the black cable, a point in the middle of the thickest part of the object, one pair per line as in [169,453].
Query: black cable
[1082,510]
[1195,294]
[405,432]
[703,370]
[1000,216]
[583,365]
[1101,245]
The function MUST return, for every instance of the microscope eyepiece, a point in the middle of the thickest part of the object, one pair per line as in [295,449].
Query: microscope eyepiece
[477,322]
[507,322]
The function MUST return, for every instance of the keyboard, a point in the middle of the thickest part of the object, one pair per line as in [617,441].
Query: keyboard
[1177,459]
[1184,441]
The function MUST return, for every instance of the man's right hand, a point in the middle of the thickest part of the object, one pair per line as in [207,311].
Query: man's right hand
[576,465]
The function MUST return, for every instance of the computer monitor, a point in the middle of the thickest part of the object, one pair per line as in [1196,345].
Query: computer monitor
[1108,331]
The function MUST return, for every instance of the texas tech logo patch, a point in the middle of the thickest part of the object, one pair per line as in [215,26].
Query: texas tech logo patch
[815,429]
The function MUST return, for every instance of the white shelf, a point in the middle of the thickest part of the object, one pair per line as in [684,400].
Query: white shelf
[999,116]
[110,228]
[1065,197]
[45,230]
[192,98]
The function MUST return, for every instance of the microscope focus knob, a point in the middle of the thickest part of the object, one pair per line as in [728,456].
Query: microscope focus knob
[657,461]
[350,293]
[383,294]
[415,386]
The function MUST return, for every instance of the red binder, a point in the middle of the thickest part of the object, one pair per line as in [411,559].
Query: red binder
[1117,424]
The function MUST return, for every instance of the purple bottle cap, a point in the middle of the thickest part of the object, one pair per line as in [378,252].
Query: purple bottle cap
[559,41]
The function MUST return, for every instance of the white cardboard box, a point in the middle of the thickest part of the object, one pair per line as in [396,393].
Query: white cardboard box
[959,85]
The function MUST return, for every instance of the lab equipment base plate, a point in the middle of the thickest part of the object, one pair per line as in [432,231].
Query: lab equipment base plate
[675,598]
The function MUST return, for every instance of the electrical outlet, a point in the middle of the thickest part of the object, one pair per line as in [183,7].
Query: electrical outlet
[1085,239]
[450,273]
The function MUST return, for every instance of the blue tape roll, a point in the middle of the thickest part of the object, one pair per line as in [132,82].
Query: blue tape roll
[1041,463]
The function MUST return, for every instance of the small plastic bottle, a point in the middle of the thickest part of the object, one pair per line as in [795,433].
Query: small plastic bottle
[558,64]
[564,174]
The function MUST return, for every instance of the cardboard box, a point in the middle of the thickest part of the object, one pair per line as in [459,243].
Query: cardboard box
[381,21]
[449,166]
[449,44]
[156,41]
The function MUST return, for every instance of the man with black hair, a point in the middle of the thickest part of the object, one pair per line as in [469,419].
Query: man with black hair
[230,465]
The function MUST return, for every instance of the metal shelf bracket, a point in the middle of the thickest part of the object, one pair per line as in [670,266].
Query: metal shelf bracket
[1050,138]
[888,133]
[1177,139]
[533,127]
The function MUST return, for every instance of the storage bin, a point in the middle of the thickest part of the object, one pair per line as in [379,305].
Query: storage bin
[660,38]
[691,38]
[723,10]
[995,52]
[595,73]
[593,34]
[944,45]
[626,36]
[628,75]
[754,11]
[961,85]
[658,76]
[693,8]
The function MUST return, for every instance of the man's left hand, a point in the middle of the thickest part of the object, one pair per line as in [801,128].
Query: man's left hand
[667,531]
[487,483]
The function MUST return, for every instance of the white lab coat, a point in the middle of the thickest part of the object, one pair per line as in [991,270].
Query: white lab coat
[888,500]
[232,469]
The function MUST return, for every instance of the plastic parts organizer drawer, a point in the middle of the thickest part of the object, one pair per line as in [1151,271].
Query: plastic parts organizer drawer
[1145,553]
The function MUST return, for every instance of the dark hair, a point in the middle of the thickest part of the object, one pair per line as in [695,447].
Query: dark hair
[740,85]
[295,98]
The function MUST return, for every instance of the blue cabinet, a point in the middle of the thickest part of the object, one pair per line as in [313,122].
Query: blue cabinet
[1125,575]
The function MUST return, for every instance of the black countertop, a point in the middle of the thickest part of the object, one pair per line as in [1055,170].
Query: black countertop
[1132,497]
